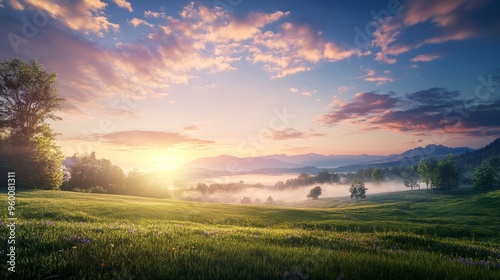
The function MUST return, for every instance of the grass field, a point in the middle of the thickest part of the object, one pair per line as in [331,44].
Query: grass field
[406,235]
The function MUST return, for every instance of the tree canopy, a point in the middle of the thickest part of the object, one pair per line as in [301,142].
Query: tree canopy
[28,97]
[358,189]
[315,192]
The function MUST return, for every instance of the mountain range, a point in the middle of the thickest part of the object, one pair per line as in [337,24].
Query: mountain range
[281,163]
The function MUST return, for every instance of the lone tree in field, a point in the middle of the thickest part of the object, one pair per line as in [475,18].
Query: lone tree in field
[358,189]
[269,200]
[314,193]
[28,97]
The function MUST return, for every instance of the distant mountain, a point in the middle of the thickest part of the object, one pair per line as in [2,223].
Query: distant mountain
[236,164]
[410,157]
[281,163]
[322,161]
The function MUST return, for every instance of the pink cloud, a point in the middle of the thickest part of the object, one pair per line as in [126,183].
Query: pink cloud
[143,139]
[425,58]
[124,4]
[85,16]
[136,22]
[371,76]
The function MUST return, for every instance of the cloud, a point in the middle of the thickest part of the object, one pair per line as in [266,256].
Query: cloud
[443,20]
[425,111]
[143,139]
[151,14]
[425,58]
[363,105]
[85,16]
[307,93]
[371,76]
[16,5]
[294,90]
[136,22]
[295,49]
[191,128]
[290,133]
[124,4]
[344,89]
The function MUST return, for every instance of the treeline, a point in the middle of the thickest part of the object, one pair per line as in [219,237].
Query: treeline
[89,174]
[306,179]
[230,187]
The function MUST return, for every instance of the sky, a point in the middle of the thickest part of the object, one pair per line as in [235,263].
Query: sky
[155,84]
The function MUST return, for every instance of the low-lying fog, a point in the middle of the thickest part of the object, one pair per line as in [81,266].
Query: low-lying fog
[285,196]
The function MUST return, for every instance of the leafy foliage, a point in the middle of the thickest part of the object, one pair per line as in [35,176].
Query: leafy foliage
[314,193]
[487,175]
[358,189]
[28,97]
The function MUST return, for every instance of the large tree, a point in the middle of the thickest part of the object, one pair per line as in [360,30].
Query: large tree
[88,172]
[28,97]
[447,175]
[315,192]
[426,169]
[487,175]
[358,189]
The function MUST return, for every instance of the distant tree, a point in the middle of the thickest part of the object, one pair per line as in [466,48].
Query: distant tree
[487,175]
[426,169]
[279,186]
[202,188]
[358,189]
[87,171]
[246,200]
[28,97]
[377,175]
[269,200]
[446,175]
[323,177]
[314,193]
[410,177]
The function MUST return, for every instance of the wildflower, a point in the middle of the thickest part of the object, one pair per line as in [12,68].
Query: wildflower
[174,249]
[256,236]
[193,248]
[48,223]
[207,233]
[1,223]
[101,264]
[73,248]
[131,231]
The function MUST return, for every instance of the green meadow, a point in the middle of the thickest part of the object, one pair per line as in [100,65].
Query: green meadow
[404,235]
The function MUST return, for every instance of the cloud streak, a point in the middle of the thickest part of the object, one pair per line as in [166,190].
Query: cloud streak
[143,139]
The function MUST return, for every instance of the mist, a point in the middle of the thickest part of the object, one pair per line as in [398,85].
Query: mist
[288,195]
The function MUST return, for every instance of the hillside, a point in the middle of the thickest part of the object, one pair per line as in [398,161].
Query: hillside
[470,160]
[64,235]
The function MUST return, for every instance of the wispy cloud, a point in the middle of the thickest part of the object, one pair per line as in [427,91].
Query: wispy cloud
[290,133]
[143,139]
[136,22]
[425,58]
[371,76]
[84,16]
[124,4]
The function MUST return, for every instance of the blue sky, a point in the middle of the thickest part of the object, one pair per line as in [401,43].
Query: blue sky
[152,84]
